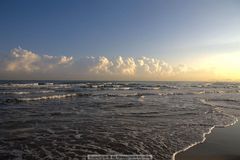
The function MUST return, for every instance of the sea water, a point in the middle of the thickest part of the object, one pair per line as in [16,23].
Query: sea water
[72,119]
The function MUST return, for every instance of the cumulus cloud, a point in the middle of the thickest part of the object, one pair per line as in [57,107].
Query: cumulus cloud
[65,60]
[103,66]
[25,64]
[28,61]
[136,67]
[126,66]
[22,60]
[154,66]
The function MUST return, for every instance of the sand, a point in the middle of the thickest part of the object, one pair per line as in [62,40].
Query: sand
[221,144]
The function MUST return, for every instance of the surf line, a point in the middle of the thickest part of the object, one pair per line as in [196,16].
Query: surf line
[208,132]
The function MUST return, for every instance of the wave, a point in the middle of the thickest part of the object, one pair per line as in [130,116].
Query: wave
[24,84]
[45,91]
[235,120]
[168,87]
[123,88]
[180,93]
[203,137]
[125,95]
[47,97]
[46,84]
[118,88]
[26,92]
[29,84]
[188,93]
[171,94]
[16,93]
[34,85]
[193,144]
[59,96]
[142,95]
[18,85]
[148,88]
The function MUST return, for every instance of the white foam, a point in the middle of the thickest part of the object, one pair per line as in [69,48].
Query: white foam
[124,88]
[204,137]
[141,98]
[124,95]
[46,91]
[17,93]
[193,144]
[48,97]
[24,85]
[170,94]
[200,92]
[209,131]
[119,88]
[149,88]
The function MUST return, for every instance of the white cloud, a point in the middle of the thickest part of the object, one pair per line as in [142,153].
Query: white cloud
[65,60]
[103,66]
[134,67]
[27,61]
[125,66]
[25,64]
[23,60]
[153,66]
[119,66]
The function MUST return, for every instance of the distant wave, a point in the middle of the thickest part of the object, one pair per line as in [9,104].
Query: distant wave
[192,93]
[125,95]
[69,95]
[33,85]
[47,97]
[26,92]
[45,91]
[148,88]
[169,94]
[16,93]
[129,94]
[59,96]
[119,88]
[168,87]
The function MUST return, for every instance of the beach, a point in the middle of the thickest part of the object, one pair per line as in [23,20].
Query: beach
[220,144]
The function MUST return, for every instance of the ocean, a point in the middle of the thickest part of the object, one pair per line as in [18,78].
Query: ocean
[71,119]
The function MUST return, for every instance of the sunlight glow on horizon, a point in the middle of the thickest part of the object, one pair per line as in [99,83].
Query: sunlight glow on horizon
[120,40]
[25,63]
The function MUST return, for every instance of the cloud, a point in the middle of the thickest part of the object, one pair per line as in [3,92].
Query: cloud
[28,61]
[154,66]
[65,60]
[25,64]
[120,65]
[103,66]
[136,67]
[126,66]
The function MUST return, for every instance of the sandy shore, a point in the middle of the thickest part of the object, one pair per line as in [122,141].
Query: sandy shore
[221,144]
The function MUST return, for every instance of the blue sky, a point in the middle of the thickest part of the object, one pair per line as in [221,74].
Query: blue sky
[170,30]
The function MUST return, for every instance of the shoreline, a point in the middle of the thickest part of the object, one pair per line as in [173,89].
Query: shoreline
[194,144]
[185,152]
[204,137]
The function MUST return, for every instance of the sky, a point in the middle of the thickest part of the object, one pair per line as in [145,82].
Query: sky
[120,40]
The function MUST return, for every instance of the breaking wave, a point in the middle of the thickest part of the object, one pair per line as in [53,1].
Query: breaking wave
[16,93]
[217,109]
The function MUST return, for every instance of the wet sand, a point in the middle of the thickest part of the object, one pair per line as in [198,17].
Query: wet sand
[221,144]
